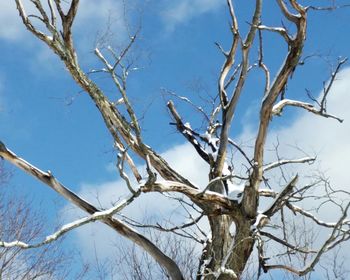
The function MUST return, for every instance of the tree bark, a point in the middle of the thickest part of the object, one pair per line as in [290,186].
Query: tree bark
[229,249]
[220,243]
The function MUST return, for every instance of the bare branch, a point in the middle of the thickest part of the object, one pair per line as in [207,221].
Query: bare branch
[277,87]
[28,24]
[281,198]
[327,8]
[174,229]
[280,30]
[52,14]
[322,111]
[330,84]
[124,230]
[262,65]
[229,62]
[120,166]
[267,193]
[131,163]
[125,50]
[287,14]
[100,215]
[230,106]
[288,161]
[284,243]
[188,101]
[327,245]
[277,108]
[186,132]
[296,209]
[103,59]
[208,199]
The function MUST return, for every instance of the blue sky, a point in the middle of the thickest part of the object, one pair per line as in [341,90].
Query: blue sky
[45,118]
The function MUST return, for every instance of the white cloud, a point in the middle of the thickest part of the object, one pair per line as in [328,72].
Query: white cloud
[98,10]
[93,20]
[98,16]
[93,237]
[11,27]
[329,138]
[184,10]
[91,16]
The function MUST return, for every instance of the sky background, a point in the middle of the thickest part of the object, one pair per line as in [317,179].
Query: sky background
[49,121]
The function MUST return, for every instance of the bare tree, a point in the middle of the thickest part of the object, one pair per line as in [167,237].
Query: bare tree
[129,262]
[19,219]
[237,224]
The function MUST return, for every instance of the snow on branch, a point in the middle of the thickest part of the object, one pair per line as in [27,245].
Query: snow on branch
[70,226]
[280,30]
[277,108]
[322,110]
[48,179]
[296,209]
[288,161]
[186,131]
[210,200]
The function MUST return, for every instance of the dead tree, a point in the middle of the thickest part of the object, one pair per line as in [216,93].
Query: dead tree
[19,220]
[237,224]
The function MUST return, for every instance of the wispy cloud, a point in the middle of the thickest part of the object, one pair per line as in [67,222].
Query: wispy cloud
[96,20]
[182,11]
[92,16]
[11,27]
[312,135]
[100,16]
[328,138]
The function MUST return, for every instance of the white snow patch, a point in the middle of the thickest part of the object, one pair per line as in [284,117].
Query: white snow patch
[235,191]
[188,125]
[258,220]
[212,141]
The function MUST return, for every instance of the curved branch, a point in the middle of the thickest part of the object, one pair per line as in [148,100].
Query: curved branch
[48,179]
[100,215]
[277,108]
[230,106]
[288,161]
[250,199]
[113,118]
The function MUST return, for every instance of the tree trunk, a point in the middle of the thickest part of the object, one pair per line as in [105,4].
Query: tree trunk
[227,252]
[220,244]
